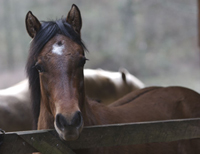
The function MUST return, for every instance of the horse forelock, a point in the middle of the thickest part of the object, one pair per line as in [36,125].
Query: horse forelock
[48,31]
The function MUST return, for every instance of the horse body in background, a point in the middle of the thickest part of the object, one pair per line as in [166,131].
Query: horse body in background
[55,72]
[15,101]
[108,86]
[15,108]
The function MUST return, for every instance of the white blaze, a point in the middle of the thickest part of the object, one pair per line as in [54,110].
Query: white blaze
[57,49]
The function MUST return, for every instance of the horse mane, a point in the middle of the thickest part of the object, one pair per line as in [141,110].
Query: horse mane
[47,31]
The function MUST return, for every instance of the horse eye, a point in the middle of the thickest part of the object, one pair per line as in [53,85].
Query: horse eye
[39,68]
[82,61]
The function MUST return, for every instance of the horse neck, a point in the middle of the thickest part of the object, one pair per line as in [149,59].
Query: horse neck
[89,113]
[46,119]
[95,113]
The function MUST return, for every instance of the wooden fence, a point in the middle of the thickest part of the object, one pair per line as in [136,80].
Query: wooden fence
[47,141]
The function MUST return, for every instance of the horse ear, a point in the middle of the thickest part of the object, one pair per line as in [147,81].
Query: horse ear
[123,73]
[74,18]
[32,24]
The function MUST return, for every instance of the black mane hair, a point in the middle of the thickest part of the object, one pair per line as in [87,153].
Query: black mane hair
[47,31]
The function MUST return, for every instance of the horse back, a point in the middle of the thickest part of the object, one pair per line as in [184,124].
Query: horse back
[132,96]
[158,103]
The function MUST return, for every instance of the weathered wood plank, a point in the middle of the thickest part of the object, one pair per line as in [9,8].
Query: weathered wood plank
[112,135]
[46,143]
[137,133]
[13,144]
[43,141]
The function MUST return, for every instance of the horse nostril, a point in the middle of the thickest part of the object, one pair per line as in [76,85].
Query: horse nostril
[61,121]
[77,119]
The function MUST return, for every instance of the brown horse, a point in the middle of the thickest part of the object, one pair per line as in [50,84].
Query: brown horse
[15,102]
[55,72]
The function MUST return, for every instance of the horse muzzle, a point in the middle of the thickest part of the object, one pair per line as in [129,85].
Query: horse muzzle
[69,129]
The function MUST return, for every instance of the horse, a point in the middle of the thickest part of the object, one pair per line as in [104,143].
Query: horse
[113,85]
[15,102]
[55,72]
[15,108]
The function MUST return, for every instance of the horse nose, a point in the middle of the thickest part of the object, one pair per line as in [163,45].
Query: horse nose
[63,123]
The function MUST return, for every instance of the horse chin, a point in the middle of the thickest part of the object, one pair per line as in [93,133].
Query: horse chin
[70,134]
[70,137]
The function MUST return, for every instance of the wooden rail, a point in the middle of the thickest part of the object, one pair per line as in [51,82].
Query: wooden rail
[47,141]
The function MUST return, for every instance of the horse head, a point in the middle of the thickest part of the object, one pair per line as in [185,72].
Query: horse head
[57,59]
